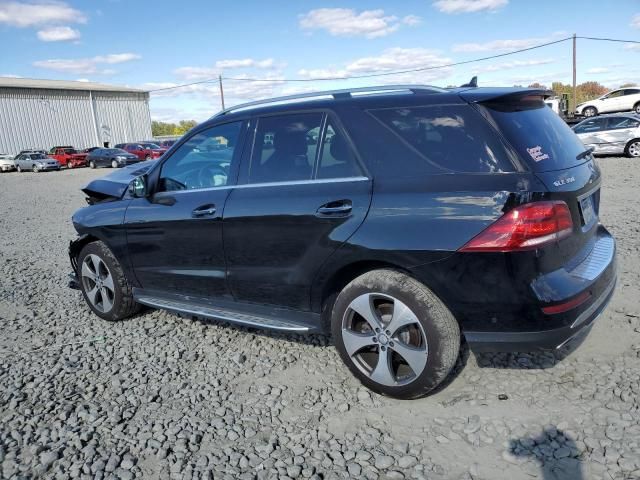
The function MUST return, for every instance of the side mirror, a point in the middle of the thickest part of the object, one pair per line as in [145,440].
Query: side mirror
[138,187]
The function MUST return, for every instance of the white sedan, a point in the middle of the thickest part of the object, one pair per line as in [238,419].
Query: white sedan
[611,134]
[6,163]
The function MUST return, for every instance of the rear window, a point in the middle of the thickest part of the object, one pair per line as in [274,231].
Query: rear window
[450,137]
[538,134]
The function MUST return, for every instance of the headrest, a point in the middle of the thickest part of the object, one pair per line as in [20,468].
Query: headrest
[290,143]
[339,148]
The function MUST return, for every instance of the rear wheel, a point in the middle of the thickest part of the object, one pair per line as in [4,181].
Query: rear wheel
[394,334]
[103,283]
[636,108]
[590,112]
[114,164]
[633,148]
[148,157]
[19,169]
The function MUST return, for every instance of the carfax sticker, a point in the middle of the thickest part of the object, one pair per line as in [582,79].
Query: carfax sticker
[537,154]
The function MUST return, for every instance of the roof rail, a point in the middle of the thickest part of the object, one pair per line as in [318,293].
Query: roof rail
[336,94]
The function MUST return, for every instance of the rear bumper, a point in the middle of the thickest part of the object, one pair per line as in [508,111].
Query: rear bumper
[546,339]
[594,274]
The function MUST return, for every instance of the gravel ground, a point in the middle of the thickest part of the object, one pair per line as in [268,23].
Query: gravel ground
[162,396]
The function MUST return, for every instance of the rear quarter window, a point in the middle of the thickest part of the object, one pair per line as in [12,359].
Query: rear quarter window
[453,138]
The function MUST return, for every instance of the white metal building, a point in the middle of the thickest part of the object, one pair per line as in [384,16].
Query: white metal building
[45,113]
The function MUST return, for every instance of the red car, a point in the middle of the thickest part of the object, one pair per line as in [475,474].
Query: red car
[144,151]
[68,157]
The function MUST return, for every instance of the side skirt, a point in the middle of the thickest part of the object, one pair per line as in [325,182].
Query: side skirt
[247,314]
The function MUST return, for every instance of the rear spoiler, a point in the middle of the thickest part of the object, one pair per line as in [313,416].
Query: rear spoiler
[481,95]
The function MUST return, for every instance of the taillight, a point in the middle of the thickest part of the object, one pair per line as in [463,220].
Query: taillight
[525,227]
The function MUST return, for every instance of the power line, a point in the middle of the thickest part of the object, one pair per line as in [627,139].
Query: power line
[371,75]
[395,72]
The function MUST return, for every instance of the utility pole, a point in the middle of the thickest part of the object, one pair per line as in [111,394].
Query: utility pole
[575,91]
[222,91]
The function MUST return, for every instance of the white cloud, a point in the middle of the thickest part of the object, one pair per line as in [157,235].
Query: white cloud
[498,45]
[511,65]
[320,73]
[347,22]
[196,73]
[22,14]
[469,6]
[412,20]
[635,21]
[633,46]
[87,65]
[58,34]
[598,70]
[397,59]
[246,63]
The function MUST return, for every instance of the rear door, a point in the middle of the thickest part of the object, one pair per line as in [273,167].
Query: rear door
[303,193]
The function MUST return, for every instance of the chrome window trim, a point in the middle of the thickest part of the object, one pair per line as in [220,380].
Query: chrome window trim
[270,184]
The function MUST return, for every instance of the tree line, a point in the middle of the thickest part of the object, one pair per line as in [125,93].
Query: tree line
[164,128]
[584,92]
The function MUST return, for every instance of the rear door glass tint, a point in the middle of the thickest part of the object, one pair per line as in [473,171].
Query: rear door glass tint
[452,137]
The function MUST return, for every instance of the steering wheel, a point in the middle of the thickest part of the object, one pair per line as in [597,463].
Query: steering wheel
[206,176]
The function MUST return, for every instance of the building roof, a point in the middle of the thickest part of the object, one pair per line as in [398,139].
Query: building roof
[13,82]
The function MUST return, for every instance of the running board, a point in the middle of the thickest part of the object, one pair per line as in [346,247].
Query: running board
[250,315]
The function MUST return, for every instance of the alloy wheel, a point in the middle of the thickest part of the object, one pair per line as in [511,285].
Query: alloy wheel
[35,169]
[19,168]
[69,165]
[384,339]
[97,282]
[114,164]
[634,149]
[590,112]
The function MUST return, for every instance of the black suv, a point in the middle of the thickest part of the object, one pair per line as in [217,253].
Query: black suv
[401,219]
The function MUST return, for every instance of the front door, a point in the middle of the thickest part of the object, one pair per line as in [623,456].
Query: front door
[304,194]
[175,235]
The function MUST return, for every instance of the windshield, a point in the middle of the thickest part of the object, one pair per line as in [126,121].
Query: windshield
[538,134]
[70,151]
[38,156]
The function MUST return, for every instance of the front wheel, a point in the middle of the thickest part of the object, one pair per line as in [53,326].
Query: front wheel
[633,149]
[114,164]
[394,334]
[590,112]
[69,165]
[35,169]
[103,283]
[19,169]
[92,164]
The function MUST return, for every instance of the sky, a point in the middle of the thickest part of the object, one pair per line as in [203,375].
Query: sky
[159,44]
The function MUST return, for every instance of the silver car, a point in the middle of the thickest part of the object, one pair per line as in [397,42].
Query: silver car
[611,134]
[6,163]
[36,162]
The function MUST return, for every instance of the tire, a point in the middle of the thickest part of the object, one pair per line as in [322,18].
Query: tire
[636,108]
[19,169]
[590,112]
[111,296]
[69,165]
[148,157]
[35,169]
[114,164]
[427,326]
[633,148]
[92,164]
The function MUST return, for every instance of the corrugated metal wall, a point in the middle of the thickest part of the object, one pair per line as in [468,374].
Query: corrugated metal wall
[41,118]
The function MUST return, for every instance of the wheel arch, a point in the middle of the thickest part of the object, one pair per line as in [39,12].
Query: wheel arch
[626,147]
[76,246]
[326,294]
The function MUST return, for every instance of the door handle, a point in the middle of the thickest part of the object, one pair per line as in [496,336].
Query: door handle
[335,209]
[204,211]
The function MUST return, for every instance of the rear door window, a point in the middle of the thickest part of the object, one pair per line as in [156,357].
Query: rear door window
[337,159]
[592,125]
[619,123]
[285,147]
[452,137]
[541,138]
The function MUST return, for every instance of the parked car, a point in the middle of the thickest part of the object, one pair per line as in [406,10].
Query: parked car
[616,134]
[110,157]
[90,149]
[68,157]
[7,163]
[431,215]
[622,100]
[144,151]
[35,161]
[167,144]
